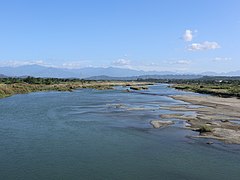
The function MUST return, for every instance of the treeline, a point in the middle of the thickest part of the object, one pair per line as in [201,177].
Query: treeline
[213,80]
[222,86]
[10,85]
[217,86]
[33,80]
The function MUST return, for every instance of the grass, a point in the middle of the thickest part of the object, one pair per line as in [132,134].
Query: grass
[204,129]
[22,88]
[222,90]
[11,86]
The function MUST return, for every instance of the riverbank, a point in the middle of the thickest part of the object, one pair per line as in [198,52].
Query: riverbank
[219,89]
[213,117]
[7,90]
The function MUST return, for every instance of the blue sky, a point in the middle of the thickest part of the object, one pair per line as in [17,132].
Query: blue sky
[170,35]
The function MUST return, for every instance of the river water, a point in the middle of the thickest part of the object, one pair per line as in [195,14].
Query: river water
[105,135]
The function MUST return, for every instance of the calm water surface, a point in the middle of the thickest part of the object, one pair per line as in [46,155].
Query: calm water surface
[104,135]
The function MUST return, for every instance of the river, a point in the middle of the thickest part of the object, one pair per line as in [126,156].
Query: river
[105,135]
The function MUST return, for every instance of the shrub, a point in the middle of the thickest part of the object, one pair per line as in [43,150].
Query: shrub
[204,129]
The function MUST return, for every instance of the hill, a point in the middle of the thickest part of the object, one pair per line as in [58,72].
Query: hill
[111,73]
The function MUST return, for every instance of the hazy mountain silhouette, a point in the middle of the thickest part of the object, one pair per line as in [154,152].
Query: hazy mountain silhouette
[42,71]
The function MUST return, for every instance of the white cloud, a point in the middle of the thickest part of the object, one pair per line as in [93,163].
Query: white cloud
[121,62]
[160,65]
[76,64]
[188,35]
[222,59]
[13,63]
[181,62]
[203,46]
[71,65]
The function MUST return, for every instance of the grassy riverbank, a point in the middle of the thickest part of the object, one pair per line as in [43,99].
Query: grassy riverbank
[11,86]
[221,90]
[215,86]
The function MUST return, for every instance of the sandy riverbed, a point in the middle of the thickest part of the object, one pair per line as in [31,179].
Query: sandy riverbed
[214,117]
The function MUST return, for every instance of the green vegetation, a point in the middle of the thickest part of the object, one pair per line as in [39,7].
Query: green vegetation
[213,90]
[11,86]
[204,129]
[220,88]
[46,81]
[217,86]
[138,87]
[21,88]
[214,85]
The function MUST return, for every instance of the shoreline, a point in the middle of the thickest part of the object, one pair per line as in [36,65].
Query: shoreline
[213,117]
[208,89]
[216,118]
[7,90]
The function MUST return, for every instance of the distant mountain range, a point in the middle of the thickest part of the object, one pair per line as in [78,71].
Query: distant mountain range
[99,73]
[231,73]
[2,76]
[42,71]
